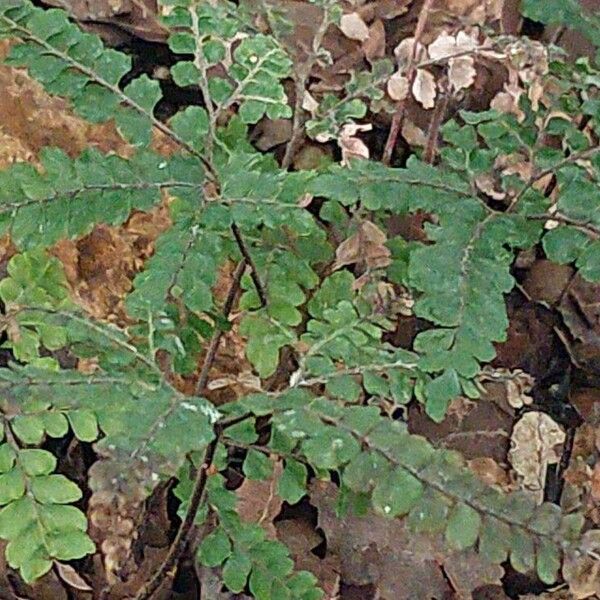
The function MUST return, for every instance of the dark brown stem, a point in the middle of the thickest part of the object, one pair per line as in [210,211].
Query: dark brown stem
[584,226]
[179,543]
[260,290]
[398,117]
[168,566]
[434,129]
[216,338]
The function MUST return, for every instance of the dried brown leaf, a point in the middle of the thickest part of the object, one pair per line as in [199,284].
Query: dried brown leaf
[366,246]
[461,72]
[534,439]
[424,88]
[71,577]
[405,52]
[397,86]
[258,501]
[399,563]
[354,27]
[414,135]
[374,45]
[490,472]
[581,568]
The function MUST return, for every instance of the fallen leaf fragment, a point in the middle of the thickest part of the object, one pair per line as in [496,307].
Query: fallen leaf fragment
[258,501]
[424,88]
[405,52]
[70,576]
[399,563]
[366,246]
[533,447]
[351,146]
[354,27]
[374,45]
[581,568]
[461,72]
[397,86]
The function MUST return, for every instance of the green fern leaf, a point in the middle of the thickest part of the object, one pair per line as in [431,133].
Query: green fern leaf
[74,64]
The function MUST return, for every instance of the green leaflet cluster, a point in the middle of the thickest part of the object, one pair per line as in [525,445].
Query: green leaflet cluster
[332,323]
[254,67]
[37,517]
[566,14]
[41,400]
[579,202]
[403,475]
[245,555]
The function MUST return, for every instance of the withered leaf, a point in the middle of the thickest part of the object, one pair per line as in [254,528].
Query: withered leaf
[366,246]
[258,501]
[533,447]
[354,27]
[424,88]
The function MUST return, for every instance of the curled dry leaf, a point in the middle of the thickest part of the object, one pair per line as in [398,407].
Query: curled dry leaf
[447,46]
[309,103]
[71,577]
[397,86]
[354,27]
[486,183]
[533,447]
[414,135]
[424,88]
[507,101]
[353,147]
[461,72]
[517,383]
[366,246]
[405,53]
[245,380]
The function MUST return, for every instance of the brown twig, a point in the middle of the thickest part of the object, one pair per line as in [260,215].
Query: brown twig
[260,289]
[168,566]
[434,129]
[398,117]
[216,337]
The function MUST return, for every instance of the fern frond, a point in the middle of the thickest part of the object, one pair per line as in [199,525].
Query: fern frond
[248,558]
[66,197]
[403,475]
[577,240]
[76,65]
